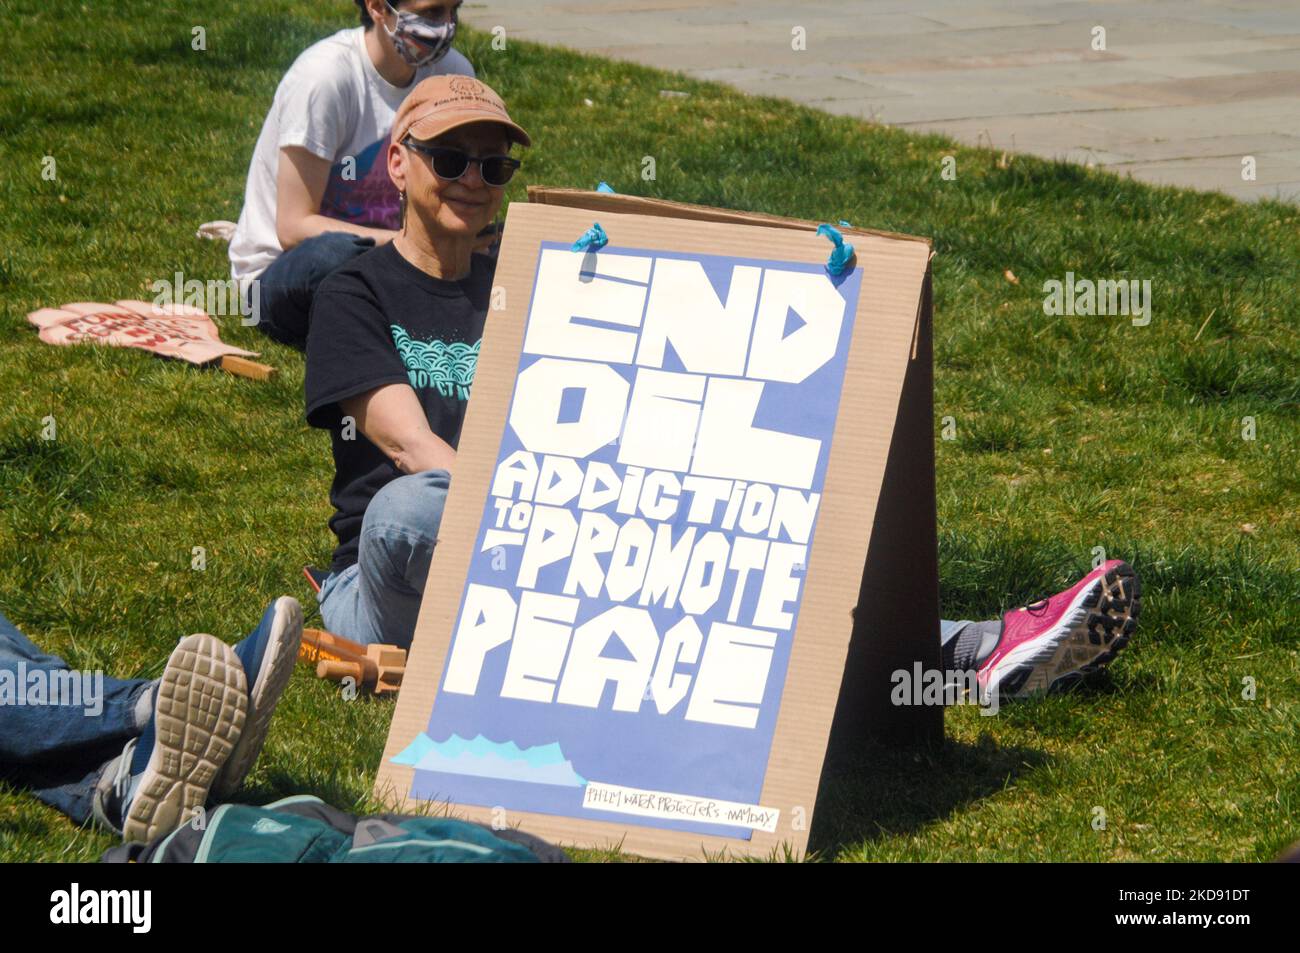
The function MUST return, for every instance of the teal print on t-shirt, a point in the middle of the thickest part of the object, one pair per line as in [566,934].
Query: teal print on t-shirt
[446,368]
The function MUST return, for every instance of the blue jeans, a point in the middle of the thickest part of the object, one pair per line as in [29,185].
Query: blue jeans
[59,750]
[289,284]
[377,599]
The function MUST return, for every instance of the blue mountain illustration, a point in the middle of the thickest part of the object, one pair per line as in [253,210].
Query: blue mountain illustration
[481,757]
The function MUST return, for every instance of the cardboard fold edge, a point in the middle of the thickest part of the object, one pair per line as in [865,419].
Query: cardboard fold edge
[667,208]
[899,591]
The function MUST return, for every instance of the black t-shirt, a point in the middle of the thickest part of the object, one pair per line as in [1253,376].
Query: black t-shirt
[380,320]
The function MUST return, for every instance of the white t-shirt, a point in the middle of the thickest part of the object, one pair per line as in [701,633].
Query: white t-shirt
[333,103]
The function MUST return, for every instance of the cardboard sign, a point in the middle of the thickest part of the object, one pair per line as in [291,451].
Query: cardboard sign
[641,602]
[171,330]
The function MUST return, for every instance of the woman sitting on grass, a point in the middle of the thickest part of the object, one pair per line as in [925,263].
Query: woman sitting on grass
[391,353]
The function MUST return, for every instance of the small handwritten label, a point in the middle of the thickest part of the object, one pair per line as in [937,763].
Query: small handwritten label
[678,807]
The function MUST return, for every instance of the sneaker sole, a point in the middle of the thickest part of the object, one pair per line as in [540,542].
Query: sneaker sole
[1098,624]
[272,677]
[198,716]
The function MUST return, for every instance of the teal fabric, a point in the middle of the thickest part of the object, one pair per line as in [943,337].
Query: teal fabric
[239,834]
[428,840]
[291,832]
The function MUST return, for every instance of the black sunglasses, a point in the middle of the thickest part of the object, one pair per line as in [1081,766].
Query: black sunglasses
[451,164]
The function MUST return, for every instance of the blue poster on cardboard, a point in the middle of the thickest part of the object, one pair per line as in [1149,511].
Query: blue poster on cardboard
[623,636]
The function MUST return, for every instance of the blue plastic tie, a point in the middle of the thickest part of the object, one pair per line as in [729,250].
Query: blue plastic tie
[592,239]
[604,187]
[841,254]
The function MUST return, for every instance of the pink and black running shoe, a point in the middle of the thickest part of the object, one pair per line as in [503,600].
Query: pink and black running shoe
[1056,641]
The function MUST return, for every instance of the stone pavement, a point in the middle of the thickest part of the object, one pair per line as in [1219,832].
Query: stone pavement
[1182,92]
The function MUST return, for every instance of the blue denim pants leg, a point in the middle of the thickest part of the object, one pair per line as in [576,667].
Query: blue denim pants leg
[57,743]
[287,287]
[378,598]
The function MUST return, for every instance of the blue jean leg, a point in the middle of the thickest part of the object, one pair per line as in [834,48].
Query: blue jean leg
[378,599]
[287,287]
[55,748]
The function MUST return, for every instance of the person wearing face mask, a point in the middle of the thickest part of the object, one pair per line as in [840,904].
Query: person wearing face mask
[392,351]
[318,191]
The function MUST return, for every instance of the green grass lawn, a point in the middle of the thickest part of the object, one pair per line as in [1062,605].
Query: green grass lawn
[1070,432]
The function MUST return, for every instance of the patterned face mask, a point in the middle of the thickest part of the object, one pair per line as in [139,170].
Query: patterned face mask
[419,41]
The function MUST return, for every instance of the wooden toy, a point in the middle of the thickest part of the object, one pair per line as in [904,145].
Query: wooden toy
[376,668]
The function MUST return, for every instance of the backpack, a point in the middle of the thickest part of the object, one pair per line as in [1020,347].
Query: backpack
[306,830]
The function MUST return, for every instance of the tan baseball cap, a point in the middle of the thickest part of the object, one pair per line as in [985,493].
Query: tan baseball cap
[440,104]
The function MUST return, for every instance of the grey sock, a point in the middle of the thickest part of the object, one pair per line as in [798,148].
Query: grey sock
[972,645]
[112,791]
[990,635]
[142,713]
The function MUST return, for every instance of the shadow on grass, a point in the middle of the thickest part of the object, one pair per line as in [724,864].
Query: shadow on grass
[879,792]
[278,784]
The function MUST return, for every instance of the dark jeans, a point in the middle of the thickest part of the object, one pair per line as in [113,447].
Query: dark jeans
[289,283]
[58,742]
